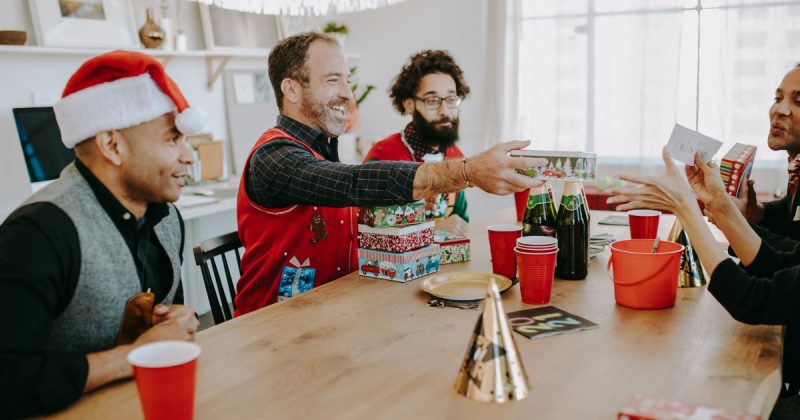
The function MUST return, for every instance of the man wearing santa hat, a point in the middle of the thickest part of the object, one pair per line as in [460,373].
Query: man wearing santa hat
[74,253]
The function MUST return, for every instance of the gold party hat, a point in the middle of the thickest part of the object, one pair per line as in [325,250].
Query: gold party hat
[492,369]
[691,274]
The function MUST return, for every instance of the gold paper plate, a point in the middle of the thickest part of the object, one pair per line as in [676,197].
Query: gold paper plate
[462,285]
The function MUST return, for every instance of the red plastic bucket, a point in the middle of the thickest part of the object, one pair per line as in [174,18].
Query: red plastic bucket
[644,280]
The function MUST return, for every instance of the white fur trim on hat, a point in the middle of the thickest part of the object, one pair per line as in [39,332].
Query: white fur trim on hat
[191,120]
[109,106]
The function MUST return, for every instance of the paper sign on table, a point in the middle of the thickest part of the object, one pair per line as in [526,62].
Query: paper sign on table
[546,321]
[684,143]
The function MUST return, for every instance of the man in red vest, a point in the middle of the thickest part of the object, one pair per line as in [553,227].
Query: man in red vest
[430,88]
[294,205]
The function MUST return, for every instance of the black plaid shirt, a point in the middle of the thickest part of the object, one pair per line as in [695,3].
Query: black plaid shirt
[282,173]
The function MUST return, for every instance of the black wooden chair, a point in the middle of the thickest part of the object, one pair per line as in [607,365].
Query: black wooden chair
[212,250]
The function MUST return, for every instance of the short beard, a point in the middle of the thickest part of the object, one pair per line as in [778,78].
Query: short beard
[321,115]
[430,134]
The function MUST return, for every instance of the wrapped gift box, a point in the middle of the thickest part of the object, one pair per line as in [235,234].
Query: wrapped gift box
[735,167]
[389,216]
[561,166]
[646,408]
[402,267]
[395,239]
[454,248]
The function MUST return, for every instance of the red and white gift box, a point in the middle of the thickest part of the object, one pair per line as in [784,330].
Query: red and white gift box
[395,239]
[646,408]
[734,169]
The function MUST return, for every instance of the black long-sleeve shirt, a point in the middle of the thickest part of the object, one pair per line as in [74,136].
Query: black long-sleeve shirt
[40,260]
[765,292]
[283,173]
[778,227]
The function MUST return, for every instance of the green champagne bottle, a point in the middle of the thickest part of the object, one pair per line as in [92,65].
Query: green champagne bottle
[572,231]
[540,213]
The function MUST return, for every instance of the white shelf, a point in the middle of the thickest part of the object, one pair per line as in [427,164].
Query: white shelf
[215,59]
[215,53]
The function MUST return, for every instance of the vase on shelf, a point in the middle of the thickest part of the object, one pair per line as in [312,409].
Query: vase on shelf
[151,35]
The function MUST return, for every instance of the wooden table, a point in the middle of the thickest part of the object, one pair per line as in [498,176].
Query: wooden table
[361,348]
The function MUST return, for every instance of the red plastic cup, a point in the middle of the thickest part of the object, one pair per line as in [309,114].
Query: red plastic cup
[521,202]
[502,239]
[536,273]
[644,223]
[525,250]
[165,374]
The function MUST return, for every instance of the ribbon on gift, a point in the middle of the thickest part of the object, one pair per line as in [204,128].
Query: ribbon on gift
[298,271]
[295,262]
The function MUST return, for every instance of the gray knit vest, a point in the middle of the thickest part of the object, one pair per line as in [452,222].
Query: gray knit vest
[108,276]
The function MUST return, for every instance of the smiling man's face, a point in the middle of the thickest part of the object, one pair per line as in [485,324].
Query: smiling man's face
[327,94]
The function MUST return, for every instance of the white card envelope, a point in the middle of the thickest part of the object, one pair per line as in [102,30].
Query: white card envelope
[684,143]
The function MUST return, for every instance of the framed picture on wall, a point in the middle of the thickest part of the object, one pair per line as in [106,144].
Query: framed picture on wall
[228,29]
[84,23]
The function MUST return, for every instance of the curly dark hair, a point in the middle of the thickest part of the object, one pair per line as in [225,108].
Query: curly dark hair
[420,65]
[288,60]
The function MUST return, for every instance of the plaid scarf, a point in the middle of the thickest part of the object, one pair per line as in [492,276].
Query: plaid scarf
[419,147]
[794,175]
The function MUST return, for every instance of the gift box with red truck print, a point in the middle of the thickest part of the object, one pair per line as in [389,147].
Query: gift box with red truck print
[402,267]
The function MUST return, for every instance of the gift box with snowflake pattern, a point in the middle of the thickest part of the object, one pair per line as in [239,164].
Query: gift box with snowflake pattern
[395,239]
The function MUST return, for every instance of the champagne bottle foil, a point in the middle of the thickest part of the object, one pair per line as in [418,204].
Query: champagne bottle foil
[691,274]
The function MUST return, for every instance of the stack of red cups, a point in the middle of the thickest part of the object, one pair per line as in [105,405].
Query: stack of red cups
[536,264]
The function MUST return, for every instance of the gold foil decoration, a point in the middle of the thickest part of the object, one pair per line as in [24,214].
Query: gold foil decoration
[492,369]
[691,274]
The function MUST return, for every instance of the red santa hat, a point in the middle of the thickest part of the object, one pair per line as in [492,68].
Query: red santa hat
[117,90]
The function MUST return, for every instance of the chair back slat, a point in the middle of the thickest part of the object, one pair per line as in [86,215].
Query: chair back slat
[213,301]
[221,290]
[229,278]
[204,254]
[238,260]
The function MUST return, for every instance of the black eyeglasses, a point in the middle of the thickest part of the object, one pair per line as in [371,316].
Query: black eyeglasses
[432,103]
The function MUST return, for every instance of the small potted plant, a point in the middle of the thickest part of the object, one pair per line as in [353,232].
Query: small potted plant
[337,30]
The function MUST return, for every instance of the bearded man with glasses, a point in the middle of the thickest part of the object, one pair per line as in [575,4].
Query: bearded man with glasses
[429,88]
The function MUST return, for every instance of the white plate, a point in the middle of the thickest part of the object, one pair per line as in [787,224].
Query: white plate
[462,285]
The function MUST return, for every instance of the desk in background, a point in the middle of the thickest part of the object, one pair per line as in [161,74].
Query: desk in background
[204,221]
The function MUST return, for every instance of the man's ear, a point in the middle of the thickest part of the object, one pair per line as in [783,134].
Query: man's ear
[111,146]
[408,105]
[292,91]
